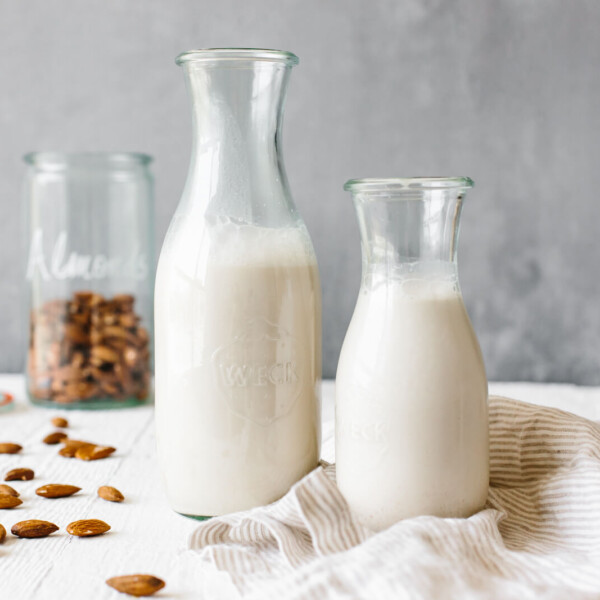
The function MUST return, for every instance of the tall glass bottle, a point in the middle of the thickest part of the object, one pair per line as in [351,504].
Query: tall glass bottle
[411,388]
[237,301]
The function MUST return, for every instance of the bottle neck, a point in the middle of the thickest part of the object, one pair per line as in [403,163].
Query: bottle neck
[236,170]
[409,236]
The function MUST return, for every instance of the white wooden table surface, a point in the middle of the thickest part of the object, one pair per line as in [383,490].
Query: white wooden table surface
[146,536]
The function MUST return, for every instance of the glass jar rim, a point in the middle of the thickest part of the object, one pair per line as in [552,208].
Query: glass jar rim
[408,184]
[237,54]
[109,160]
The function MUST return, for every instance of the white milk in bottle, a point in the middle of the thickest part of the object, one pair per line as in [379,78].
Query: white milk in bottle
[238,368]
[412,434]
[411,389]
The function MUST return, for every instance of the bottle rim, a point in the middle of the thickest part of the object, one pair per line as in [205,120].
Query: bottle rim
[408,184]
[93,160]
[237,54]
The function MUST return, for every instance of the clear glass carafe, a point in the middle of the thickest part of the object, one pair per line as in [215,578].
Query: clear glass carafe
[237,300]
[411,388]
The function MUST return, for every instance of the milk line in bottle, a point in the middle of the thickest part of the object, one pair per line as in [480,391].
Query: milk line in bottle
[237,303]
[411,389]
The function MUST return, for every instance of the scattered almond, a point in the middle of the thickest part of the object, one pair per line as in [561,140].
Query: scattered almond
[91,452]
[60,422]
[76,443]
[87,527]
[33,529]
[6,490]
[8,448]
[7,501]
[67,451]
[71,447]
[54,438]
[19,475]
[136,585]
[2,533]
[57,490]
[107,492]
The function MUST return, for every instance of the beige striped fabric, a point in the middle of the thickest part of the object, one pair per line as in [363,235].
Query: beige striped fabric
[539,536]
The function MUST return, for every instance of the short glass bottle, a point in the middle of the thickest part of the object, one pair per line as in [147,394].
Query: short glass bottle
[90,275]
[411,388]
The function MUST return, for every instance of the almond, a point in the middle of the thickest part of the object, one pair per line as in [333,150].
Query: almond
[54,438]
[71,446]
[8,448]
[60,422]
[6,490]
[19,475]
[91,452]
[123,299]
[83,296]
[68,451]
[87,527]
[136,585]
[103,354]
[76,443]
[33,529]
[116,332]
[106,492]
[57,490]
[2,533]
[7,501]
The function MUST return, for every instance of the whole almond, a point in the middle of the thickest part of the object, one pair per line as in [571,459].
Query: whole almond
[107,492]
[102,354]
[33,528]
[19,475]
[57,490]
[6,490]
[68,451]
[87,527]
[54,438]
[60,422]
[93,452]
[123,299]
[136,585]
[2,533]
[8,448]
[7,501]
[76,443]
[71,447]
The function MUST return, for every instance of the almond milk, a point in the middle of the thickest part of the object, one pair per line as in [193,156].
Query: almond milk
[411,406]
[238,365]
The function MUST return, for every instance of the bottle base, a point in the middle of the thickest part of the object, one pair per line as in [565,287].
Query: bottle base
[92,404]
[195,517]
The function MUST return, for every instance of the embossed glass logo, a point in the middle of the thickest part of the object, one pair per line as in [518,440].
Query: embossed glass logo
[259,372]
[365,421]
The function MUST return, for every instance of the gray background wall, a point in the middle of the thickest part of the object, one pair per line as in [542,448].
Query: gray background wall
[505,91]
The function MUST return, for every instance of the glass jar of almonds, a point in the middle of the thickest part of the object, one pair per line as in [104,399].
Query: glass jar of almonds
[90,276]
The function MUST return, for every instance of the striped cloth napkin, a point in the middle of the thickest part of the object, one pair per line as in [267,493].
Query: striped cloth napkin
[538,537]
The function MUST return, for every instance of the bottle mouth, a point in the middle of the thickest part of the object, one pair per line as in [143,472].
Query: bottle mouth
[408,184]
[220,55]
[58,161]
